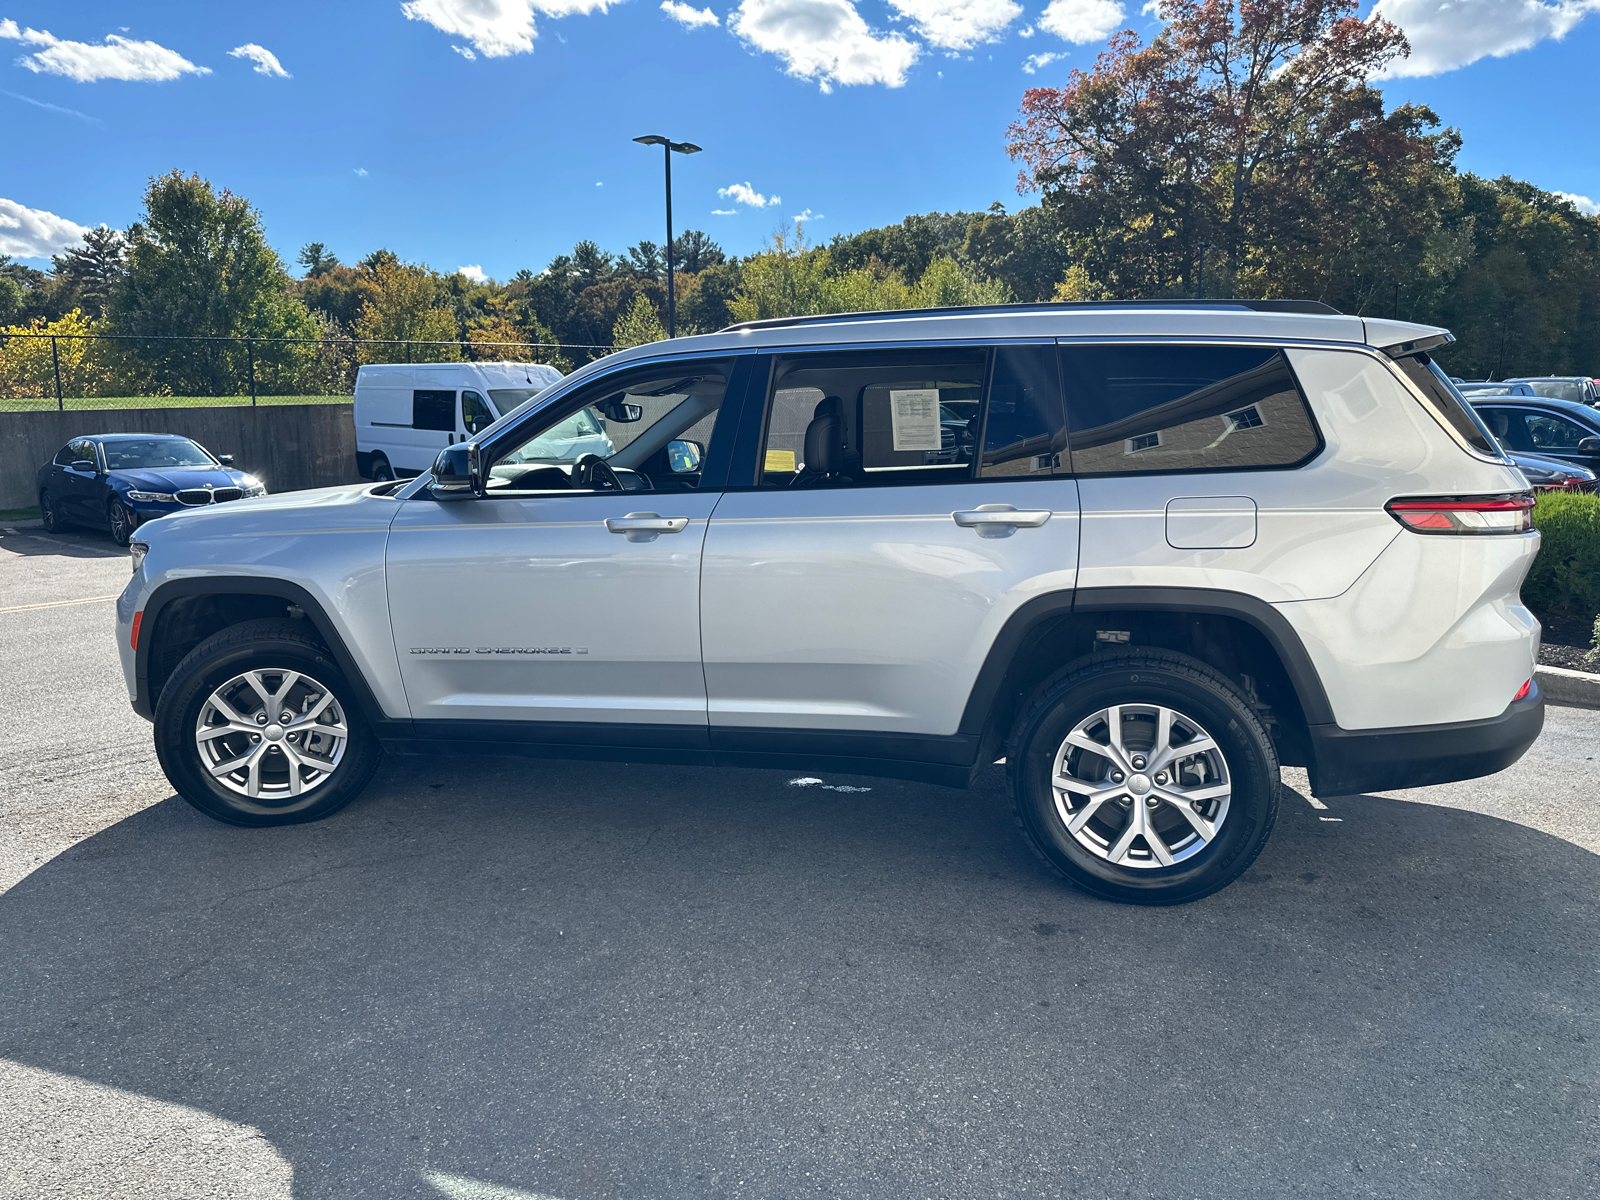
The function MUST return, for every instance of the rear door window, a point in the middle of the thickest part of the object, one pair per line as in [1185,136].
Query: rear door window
[1140,409]
[434,410]
[1546,431]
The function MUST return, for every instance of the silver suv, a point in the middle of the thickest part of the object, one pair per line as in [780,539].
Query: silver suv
[1144,553]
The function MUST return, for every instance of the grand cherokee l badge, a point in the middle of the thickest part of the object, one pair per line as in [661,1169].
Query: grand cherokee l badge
[500,650]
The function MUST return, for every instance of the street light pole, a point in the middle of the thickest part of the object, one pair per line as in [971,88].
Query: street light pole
[668,146]
[1200,291]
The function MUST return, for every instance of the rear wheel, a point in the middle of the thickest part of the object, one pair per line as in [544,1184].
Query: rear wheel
[258,726]
[49,515]
[121,520]
[1144,776]
[381,471]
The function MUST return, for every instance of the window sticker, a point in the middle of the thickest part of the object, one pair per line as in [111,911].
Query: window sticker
[914,413]
[781,460]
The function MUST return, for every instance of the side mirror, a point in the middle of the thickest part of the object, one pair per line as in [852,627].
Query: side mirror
[621,412]
[455,474]
[225,459]
[1589,445]
[685,457]
[83,464]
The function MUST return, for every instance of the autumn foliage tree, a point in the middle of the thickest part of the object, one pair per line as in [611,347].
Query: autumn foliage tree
[1248,132]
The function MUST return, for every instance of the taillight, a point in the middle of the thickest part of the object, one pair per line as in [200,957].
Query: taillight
[1465,514]
[133,635]
[1522,692]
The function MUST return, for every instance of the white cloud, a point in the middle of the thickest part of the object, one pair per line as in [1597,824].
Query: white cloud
[33,233]
[825,40]
[495,28]
[1582,203]
[724,212]
[265,60]
[1081,21]
[473,272]
[958,24]
[1446,34]
[688,15]
[115,58]
[361,171]
[1026,31]
[743,193]
[808,215]
[465,52]
[1151,8]
[1035,62]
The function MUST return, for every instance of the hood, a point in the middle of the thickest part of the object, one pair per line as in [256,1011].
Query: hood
[323,509]
[1539,462]
[176,479]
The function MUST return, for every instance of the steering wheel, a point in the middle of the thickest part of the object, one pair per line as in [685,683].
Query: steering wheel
[592,471]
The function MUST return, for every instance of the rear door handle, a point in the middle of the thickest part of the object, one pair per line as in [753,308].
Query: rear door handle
[645,526]
[1000,520]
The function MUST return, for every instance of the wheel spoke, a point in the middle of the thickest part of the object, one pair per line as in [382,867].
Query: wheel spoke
[292,757]
[290,678]
[1071,783]
[1199,824]
[1158,847]
[1114,729]
[1199,744]
[224,706]
[1090,807]
[1119,849]
[253,678]
[206,732]
[1209,792]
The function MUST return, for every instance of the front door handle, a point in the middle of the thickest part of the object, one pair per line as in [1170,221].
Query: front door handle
[645,526]
[1000,520]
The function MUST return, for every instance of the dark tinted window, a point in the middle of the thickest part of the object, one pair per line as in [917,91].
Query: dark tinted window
[475,414]
[1549,432]
[1024,433]
[1144,408]
[1450,405]
[433,410]
[64,456]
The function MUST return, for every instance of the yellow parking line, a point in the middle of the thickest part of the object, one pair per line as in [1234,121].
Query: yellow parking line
[56,604]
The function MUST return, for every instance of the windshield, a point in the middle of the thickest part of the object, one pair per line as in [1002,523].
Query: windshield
[505,399]
[1559,389]
[577,435]
[155,454]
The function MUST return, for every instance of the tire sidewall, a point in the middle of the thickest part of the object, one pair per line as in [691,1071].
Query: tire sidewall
[179,709]
[124,535]
[48,516]
[382,472]
[1251,804]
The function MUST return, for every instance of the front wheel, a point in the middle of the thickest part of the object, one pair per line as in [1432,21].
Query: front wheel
[121,520]
[258,726]
[1144,776]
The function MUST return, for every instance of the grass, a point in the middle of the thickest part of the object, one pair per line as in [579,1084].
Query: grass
[19,514]
[85,403]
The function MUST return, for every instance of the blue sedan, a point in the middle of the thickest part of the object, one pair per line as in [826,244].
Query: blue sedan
[118,481]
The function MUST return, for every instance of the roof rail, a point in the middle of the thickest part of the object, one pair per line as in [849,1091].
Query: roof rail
[1313,307]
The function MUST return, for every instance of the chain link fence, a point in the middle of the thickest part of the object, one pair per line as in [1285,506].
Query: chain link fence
[65,371]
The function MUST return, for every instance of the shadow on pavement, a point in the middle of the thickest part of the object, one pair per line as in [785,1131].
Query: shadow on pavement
[609,981]
[69,543]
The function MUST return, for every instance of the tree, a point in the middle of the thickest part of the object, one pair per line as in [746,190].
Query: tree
[693,252]
[1223,129]
[314,257]
[646,259]
[640,324]
[87,275]
[199,266]
[404,311]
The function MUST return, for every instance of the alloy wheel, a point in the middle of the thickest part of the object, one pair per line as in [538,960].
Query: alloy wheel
[271,737]
[1141,785]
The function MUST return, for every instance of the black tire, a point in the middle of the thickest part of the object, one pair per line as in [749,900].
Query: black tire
[382,472]
[49,515]
[272,646]
[1143,678]
[121,521]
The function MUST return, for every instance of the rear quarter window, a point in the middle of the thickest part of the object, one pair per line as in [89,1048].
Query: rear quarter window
[1142,409]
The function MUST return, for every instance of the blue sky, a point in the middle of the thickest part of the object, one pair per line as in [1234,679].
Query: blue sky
[384,132]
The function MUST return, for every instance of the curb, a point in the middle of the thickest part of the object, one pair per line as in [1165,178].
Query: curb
[1575,689]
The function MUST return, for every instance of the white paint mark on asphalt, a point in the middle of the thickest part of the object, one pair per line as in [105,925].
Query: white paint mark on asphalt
[809,781]
[56,604]
[1316,804]
[459,1187]
[1334,819]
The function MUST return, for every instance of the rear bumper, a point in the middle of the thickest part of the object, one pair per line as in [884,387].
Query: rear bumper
[1348,761]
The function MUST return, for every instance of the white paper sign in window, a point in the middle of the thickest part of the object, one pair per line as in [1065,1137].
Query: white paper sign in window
[915,415]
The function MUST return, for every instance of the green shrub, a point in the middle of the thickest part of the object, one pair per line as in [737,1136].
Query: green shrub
[1565,578]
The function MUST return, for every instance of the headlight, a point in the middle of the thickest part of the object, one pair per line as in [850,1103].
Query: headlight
[253,486]
[137,551]
[153,497]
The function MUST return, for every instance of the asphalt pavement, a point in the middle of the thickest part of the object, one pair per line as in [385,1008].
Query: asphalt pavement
[496,979]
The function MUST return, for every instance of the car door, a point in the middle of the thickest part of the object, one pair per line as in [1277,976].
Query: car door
[879,542]
[81,489]
[557,602]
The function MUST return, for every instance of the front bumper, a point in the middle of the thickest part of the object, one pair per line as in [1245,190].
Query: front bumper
[1348,761]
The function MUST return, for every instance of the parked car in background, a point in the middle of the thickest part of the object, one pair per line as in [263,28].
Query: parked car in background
[1551,474]
[1579,389]
[406,413]
[1480,387]
[118,481]
[1561,430]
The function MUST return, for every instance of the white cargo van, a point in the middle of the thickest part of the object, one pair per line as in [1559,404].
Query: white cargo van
[406,413]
